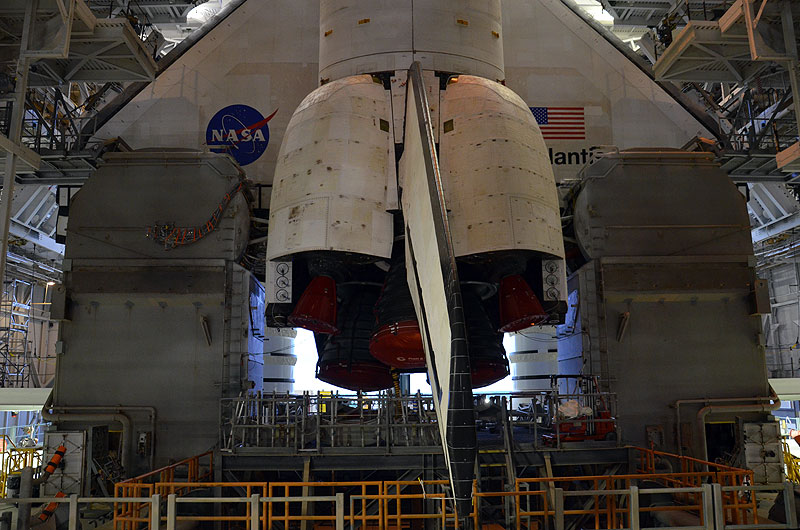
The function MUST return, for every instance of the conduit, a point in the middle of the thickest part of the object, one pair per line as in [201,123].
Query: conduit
[118,417]
[709,408]
[102,414]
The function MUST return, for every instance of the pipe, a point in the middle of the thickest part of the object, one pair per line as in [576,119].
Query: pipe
[127,430]
[51,465]
[708,409]
[118,417]
[680,402]
[140,408]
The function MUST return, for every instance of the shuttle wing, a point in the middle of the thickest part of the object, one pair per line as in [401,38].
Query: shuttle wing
[434,285]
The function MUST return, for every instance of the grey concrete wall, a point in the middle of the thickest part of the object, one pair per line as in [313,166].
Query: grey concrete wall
[150,326]
[149,349]
[667,305]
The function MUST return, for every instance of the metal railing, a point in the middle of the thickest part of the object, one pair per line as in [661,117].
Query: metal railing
[179,478]
[692,488]
[14,459]
[791,464]
[318,422]
[541,415]
[652,461]
[630,508]
[52,123]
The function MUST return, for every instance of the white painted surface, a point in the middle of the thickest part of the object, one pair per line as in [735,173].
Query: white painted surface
[535,353]
[267,58]
[433,317]
[333,171]
[366,36]
[788,389]
[19,399]
[552,58]
[279,363]
[499,184]
[255,57]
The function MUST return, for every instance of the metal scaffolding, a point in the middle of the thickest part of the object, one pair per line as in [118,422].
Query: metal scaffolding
[16,349]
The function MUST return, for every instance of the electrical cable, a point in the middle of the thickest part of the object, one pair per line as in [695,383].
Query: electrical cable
[172,236]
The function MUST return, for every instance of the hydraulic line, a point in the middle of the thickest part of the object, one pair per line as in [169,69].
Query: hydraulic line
[50,508]
[52,465]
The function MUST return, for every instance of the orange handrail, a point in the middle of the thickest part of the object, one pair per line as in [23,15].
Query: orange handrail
[397,503]
[127,515]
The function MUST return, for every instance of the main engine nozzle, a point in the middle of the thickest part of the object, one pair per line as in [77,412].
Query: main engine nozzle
[316,309]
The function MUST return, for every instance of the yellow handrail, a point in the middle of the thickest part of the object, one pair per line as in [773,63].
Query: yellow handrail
[13,459]
[792,464]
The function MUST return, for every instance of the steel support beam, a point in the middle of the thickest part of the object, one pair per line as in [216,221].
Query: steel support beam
[790,42]
[15,132]
[781,225]
[793,67]
[24,154]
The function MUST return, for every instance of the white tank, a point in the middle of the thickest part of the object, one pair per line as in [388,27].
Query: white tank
[535,354]
[499,183]
[334,179]
[369,36]
[279,361]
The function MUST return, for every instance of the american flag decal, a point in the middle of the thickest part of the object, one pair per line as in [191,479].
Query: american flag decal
[561,123]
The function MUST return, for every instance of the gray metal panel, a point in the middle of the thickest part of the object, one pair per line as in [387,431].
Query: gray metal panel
[677,345]
[158,342]
[148,327]
[666,210]
[681,349]
[68,478]
[110,215]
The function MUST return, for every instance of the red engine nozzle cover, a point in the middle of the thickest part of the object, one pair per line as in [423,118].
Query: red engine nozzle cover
[519,307]
[316,309]
[487,371]
[399,345]
[363,376]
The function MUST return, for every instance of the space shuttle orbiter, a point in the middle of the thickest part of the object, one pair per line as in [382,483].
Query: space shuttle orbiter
[414,198]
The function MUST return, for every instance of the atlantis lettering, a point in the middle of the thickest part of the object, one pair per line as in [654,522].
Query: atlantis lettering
[572,158]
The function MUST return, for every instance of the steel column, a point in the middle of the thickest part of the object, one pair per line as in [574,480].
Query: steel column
[790,41]
[73,511]
[172,511]
[558,508]
[15,133]
[340,511]
[788,503]
[155,512]
[255,504]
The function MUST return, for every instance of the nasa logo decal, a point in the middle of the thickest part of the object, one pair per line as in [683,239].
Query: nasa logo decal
[240,131]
